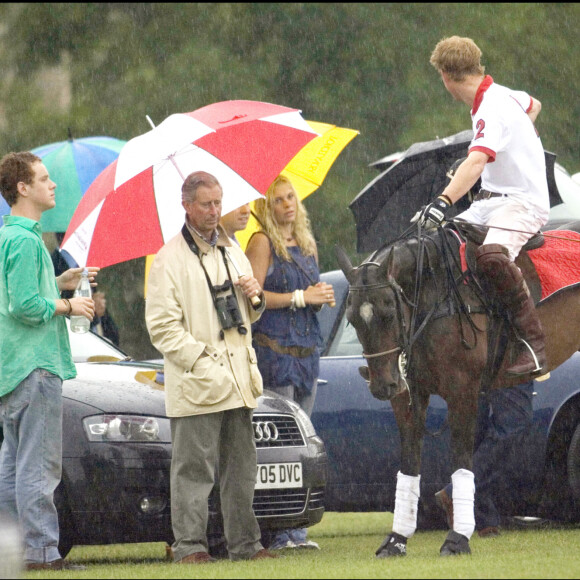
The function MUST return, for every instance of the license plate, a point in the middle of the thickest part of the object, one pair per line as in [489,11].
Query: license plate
[279,475]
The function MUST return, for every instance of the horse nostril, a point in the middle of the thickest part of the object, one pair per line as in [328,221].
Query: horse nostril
[365,373]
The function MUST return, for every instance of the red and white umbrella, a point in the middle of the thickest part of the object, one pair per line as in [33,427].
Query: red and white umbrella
[134,206]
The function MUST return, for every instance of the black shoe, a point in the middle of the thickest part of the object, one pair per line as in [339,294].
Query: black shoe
[393,545]
[531,361]
[454,545]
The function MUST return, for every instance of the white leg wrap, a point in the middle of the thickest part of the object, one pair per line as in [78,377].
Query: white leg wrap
[463,498]
[406,502]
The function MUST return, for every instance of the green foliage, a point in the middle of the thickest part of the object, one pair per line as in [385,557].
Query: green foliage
[99,68]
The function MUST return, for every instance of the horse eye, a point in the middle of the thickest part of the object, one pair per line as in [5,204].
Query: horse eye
[388,315]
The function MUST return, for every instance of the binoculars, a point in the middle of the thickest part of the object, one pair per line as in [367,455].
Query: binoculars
[227,307]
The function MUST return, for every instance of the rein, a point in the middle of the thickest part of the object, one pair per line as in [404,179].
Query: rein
[409,336]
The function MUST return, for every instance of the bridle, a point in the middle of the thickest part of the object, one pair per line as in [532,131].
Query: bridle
[400,297]
[405,339]
[385,352]
[408,336]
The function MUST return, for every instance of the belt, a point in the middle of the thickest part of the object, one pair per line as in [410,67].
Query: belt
[484,194]
[295,351]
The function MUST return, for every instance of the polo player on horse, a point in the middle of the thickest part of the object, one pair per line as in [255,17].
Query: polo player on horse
[507,153]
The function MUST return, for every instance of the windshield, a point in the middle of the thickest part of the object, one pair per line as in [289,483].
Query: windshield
[90,346]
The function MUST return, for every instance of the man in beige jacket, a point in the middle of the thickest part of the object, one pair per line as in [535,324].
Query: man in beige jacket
[211,374]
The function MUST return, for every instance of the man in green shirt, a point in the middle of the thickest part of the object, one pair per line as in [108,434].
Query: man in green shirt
[35,358]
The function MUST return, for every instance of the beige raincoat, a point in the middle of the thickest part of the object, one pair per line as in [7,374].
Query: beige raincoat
[203,373]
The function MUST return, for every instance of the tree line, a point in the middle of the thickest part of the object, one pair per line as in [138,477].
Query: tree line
[99,68]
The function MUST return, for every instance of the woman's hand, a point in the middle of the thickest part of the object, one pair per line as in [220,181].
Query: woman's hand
[81,306]
[319,294]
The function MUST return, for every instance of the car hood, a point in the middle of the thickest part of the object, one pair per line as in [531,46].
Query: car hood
[121,387]
[117,388]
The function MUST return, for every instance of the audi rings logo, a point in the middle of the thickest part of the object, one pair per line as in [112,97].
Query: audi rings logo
[265,431]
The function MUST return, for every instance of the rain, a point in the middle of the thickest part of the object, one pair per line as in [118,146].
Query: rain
[100,68]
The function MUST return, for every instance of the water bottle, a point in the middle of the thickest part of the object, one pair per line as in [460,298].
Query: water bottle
[82,323]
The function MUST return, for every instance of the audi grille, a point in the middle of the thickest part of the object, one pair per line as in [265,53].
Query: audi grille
[277,431]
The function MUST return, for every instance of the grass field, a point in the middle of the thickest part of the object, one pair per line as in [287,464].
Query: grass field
[348,542]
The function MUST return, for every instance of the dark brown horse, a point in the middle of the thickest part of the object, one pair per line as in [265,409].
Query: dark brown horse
[426,328]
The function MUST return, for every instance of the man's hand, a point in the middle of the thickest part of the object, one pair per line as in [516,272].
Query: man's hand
[81,306]
[70,279]
[251,288]
[432,215]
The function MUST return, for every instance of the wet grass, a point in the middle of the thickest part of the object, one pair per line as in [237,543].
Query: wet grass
[348,542]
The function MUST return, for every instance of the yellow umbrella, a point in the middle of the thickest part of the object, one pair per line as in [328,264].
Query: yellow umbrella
[309,167]
[307,170]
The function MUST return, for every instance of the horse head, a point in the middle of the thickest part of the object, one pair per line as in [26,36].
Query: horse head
[380,313]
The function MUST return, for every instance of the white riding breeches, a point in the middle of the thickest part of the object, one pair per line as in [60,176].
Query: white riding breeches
[507,213]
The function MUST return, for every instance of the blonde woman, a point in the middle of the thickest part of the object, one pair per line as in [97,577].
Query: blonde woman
[284,260]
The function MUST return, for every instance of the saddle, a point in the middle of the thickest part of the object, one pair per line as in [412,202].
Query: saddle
[546,264]
[474,236]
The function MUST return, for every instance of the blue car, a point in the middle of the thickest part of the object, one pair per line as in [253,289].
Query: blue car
[541,477]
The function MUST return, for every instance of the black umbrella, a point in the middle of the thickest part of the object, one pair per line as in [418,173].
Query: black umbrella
[384,208]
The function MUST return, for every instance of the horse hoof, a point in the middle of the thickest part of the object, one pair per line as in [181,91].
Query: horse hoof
[455,544]
[393,545]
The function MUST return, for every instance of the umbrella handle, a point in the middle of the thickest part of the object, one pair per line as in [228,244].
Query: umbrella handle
[255,300]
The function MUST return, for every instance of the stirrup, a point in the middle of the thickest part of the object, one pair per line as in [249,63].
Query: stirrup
[538,368]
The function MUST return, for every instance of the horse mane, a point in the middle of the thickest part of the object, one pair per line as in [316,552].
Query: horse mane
[405,250]
[427,266]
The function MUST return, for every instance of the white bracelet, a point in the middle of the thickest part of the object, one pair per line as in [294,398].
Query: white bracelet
[293,301]
[299,299]
[302,301]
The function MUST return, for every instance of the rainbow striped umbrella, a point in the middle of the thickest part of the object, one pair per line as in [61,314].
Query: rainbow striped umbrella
[4,209]
[73,165]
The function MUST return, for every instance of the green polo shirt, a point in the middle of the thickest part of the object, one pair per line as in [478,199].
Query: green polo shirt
[31,336]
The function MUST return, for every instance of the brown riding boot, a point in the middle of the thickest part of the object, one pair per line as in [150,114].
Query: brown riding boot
[510,288]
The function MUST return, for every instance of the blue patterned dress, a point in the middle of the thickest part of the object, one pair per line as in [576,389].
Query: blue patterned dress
[289,327]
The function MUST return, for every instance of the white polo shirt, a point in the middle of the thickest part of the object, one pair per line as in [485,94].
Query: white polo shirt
[503,130]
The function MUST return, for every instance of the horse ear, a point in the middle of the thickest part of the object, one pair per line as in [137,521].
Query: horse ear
[343,261]
[386,267]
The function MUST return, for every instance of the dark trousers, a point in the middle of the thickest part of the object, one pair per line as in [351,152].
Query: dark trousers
[503,416]
[202,443]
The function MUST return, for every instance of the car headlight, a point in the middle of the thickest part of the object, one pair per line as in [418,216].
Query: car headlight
[127,428]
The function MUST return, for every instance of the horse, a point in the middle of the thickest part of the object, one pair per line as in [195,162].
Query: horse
[427,327]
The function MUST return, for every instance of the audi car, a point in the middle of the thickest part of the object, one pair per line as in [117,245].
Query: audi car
[117,455]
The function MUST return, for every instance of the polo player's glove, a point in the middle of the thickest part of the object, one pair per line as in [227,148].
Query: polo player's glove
[432,215]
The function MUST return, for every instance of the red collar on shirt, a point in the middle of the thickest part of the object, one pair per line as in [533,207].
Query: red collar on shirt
[485,84]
